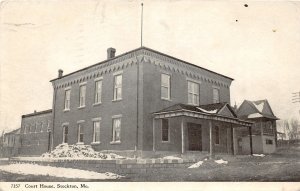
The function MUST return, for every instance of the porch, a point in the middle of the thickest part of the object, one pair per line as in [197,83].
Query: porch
[210,128]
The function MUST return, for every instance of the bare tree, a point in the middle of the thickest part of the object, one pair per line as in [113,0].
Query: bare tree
[291,128]
[294,129]
[286,128]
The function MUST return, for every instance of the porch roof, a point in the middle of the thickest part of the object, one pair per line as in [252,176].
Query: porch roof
[209,112]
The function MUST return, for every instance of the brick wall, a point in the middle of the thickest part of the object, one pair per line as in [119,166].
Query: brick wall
[152,101]
[34,133]
[108,108]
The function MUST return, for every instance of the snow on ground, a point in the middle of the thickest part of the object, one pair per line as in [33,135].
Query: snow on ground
[79,151]
[259,155]
[221,161]
[33,169]
[171,158]
[196,165]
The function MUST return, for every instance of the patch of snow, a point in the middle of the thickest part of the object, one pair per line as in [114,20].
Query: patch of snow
[33,169]
[79,152]
[196,165]
[259,155]
[254,115]
[260,106]
[221,161]
[171,157]
[206,111]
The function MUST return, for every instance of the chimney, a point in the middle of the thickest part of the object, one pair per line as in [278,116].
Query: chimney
[34,111]
[111,53]
[60,73]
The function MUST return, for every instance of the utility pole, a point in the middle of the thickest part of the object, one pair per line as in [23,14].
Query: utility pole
[296,99]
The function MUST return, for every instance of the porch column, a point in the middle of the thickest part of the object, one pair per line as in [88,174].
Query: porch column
[153,129]
[49,141]
[232,140]
[182,136]
[262,134]
[250,136]
[210,139]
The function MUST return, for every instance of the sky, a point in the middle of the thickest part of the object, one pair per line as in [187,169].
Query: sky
[255,42]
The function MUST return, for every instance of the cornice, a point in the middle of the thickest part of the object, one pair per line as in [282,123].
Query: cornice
[142,55]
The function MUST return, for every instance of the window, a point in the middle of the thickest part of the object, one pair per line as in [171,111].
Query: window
[118,87]
[193,93]
[96,132]
[269,142]
[28,128]
[165,86]
[116,130]
[165,130]
[36,127]
[216,95]
[98,90]
[67,99]
[80,133]
[24,129]
[32,128]
[65,134]
[48,126]
[42,126]
[82,90]
[217,135]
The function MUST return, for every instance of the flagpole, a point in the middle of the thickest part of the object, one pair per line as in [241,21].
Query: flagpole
[142,26]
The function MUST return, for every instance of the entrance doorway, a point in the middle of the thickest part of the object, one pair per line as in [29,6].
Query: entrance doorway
[194,137]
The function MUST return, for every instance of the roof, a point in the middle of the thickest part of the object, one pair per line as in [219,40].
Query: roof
[145,48]
[37,113]
[215,108]
[262,109]
[16,131]
[219,112]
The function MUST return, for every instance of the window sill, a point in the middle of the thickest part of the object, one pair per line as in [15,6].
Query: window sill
[95,143]
[66,110]
[96,104]
[166,99]
[165,141]
[80,143]
[81,107]
[116,100]
[115,142]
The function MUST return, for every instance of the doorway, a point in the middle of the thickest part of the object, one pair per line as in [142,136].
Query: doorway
[194,137]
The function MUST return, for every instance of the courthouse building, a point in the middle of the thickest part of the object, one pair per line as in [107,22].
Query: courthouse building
[144,101]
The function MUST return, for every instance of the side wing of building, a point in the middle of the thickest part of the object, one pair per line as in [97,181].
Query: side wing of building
[35,129]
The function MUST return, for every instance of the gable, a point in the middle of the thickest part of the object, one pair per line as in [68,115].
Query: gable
[267,109]
[245,109]
[226,112]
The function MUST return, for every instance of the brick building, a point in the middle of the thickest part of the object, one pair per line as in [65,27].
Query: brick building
[10,143]
[35,133]
[144,101]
